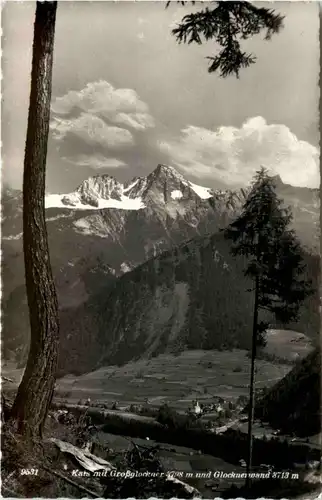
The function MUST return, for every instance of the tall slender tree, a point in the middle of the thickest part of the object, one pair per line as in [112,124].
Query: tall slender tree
[227,24]
[274,264]
[36,388]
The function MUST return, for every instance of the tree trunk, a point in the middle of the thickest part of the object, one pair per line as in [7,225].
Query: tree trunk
[37,386]
[252,386]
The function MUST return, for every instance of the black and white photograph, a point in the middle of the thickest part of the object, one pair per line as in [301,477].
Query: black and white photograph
[160,249]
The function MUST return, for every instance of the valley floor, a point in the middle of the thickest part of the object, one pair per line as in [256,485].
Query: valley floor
[177,381]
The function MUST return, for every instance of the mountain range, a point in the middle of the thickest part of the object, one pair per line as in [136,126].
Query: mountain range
[158,232]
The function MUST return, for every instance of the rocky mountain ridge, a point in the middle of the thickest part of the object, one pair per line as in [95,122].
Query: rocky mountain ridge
[104,191]
[92,244]
[123,235]
[193,296]
[165,192]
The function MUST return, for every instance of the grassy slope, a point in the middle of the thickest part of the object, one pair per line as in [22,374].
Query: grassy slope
[179,379]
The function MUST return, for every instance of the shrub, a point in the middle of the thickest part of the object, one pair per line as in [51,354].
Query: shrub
[172,419]
[167,416]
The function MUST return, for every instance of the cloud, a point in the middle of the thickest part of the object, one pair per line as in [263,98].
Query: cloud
[234,154]
[122,106]
[138,121]
[95,161]
[91,129]
[141,36]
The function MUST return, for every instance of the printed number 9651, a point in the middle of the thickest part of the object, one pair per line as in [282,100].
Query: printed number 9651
[29,472]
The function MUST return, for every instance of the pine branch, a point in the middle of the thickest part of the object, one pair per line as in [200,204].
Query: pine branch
[227,24]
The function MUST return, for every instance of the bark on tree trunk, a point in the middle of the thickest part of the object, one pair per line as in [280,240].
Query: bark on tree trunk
[37,386]
[252,386]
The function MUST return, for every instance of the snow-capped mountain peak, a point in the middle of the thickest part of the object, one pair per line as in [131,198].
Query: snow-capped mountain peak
[103,185]
[163,185]
[167,170]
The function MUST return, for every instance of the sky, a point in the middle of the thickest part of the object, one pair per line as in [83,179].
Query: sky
[126,97]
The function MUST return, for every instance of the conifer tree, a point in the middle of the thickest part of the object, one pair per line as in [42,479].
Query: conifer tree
[275,265]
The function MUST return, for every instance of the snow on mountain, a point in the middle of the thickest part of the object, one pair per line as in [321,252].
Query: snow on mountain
[167,171]
[162,195]
[103,191]
[133,183]
[176,194]
[203,192]
[72,201]
[136,187]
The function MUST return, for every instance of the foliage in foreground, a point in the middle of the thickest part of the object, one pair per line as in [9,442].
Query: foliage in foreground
[227,24]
